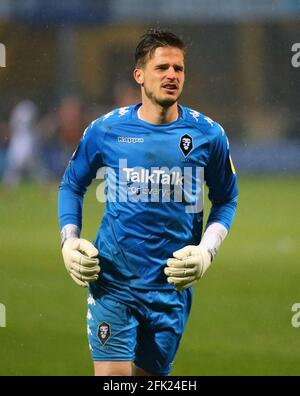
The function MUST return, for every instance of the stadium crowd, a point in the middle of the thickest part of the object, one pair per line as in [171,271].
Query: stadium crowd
[37,147]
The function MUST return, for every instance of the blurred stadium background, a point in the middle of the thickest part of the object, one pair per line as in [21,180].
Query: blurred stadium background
[67,62]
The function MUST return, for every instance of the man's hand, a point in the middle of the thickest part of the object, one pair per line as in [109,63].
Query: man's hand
[188,266]
[80,257]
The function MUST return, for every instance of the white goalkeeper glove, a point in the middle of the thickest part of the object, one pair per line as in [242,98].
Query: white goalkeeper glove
[80,257]
[191,262]
[188,266]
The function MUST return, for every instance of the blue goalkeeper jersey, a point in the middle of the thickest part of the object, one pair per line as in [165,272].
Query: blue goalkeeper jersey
[154,177]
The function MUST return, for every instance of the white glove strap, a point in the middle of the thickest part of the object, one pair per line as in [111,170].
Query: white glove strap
[69,231]
[213,237]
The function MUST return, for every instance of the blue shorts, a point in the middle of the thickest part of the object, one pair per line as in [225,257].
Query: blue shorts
[141,326]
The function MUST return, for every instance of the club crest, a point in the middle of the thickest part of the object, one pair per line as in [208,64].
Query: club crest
[186,144]
[104,332]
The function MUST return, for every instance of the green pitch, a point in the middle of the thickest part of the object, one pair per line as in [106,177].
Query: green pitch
[241,318]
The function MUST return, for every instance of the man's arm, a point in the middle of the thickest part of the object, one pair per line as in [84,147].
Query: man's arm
[80,256]
[189,264]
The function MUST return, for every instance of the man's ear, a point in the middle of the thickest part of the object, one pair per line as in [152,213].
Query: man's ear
[138,75]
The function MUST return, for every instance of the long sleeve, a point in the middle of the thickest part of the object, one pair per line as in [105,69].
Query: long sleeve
[81,170]
[221,180]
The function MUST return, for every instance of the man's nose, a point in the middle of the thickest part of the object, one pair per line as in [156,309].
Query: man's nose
[171,73]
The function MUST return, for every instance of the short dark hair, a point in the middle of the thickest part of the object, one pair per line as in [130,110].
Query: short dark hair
[155,38]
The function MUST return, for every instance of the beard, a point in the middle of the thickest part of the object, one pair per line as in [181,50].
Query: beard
[164,102]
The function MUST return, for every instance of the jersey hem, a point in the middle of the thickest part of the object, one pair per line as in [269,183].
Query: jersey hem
[150,287]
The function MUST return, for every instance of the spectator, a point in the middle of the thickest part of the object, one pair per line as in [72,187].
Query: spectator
[21,149]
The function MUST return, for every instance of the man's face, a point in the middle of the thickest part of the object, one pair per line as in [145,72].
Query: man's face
[163,76]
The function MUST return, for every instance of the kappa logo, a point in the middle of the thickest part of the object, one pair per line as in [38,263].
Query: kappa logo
[123,139]
[104,332]
[186,144]
[91,300]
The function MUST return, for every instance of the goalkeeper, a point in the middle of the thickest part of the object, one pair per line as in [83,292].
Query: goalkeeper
[149,251]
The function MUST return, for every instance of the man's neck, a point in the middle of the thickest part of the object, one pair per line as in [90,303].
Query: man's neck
[158,114]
